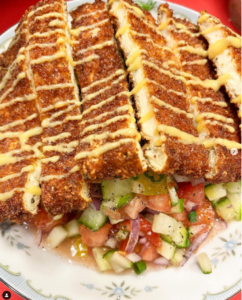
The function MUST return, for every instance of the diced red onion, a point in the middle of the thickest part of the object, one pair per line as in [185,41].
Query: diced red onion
[162,261]
[133,257]
[219,224]
[180,178]
[151,211]
[194,245]
[196,181]
[97,203]
[39,237]
[111,243]
[134,235]
[141,234]
[143,240]
[190,206]
[96,190]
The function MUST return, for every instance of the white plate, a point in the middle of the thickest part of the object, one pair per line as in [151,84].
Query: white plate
[38,275]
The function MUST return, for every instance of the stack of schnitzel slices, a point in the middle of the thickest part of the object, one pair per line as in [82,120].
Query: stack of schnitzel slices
[185,117]
[113,96]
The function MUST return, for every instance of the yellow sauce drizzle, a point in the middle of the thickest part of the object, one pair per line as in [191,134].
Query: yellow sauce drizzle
[222,44]
[146,117]
[34,190]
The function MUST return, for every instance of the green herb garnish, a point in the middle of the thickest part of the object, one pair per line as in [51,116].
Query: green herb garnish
[139,267]
[192,217]
[147,5]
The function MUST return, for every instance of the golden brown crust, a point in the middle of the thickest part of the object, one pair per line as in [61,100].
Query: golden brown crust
[122,161]
[24,112]
[161,83]
[62,185]
[226,165]
[231,56]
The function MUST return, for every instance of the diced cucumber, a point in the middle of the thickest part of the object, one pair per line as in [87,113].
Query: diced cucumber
[171,184]
[72,228]
[215,191]
[117,202]
[113,221]
[194,230]
[102,263]
[225,209]
[204,263]
[57,235]
[180,236]
[121,235]
[167,250]
[118,259]
[164,224]
[179,208]
[166,238]
[116,267]
[235,200]
[93,219]
[233,187]
[178,256]
[108,254]
[113,188]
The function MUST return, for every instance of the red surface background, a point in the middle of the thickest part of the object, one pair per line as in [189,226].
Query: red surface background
[12,10]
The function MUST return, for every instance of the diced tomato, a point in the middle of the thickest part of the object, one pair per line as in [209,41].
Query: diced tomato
[135,206]
[113,229]
[94,238]
[161,203]
[205,215]
[181,216]
[45,223]
[124,244]
[182,184]
[191,193]
[124,225]
[146,228]
[148,252]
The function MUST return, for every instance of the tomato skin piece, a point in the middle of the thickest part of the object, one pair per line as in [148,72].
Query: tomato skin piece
[94,238]
[191,193]
[161,203]
[146,228]
[44,223]
[148,252]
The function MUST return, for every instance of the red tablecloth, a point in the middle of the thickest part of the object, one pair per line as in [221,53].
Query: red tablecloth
[12,10]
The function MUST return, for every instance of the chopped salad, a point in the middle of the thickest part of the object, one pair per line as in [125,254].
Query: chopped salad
[150,218]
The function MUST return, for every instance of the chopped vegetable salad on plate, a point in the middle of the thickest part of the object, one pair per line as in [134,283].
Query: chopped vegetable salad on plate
[149,218]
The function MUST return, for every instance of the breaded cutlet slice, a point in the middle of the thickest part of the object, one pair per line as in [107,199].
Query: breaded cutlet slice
[18,41]
[160,95]
[215,118]
[20,142]
[62,184]
[109,142]
[225,53]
